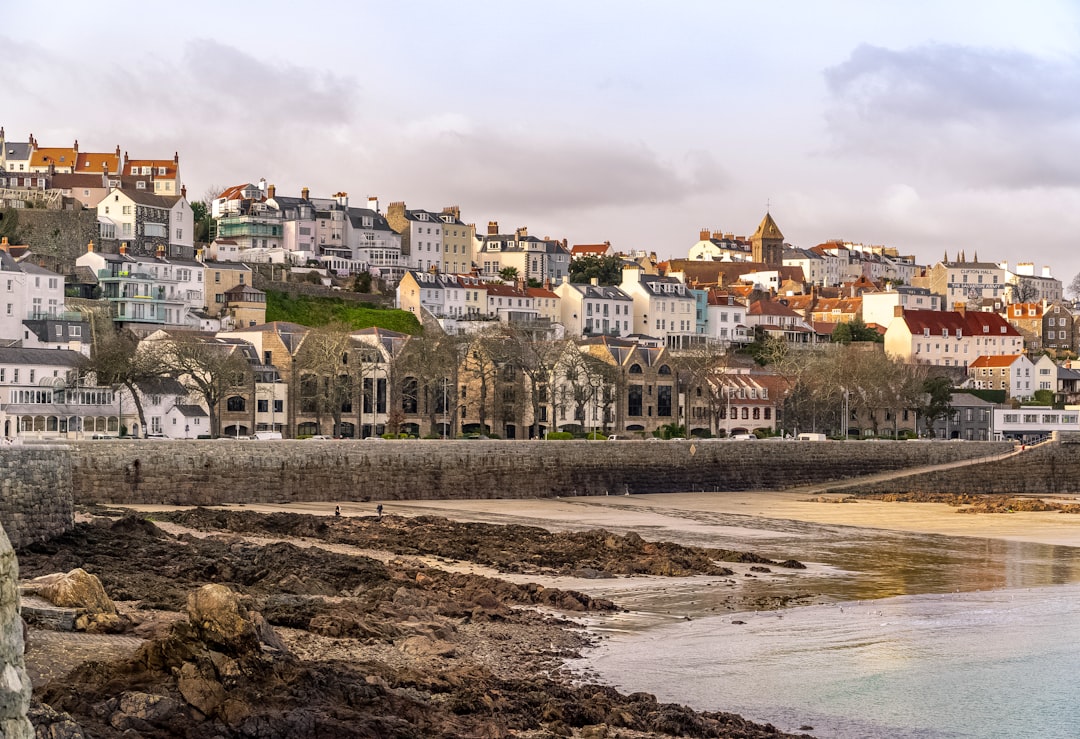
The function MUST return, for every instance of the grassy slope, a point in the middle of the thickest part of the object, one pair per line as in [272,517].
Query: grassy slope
[309,311]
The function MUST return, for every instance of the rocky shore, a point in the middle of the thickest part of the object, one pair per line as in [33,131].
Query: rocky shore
[237,624]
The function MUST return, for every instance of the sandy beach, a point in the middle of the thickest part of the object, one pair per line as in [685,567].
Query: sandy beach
[676,516]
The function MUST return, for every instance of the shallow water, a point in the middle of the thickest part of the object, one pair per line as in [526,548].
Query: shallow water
[986,664]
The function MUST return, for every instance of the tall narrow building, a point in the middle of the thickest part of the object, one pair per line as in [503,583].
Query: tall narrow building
[767,243]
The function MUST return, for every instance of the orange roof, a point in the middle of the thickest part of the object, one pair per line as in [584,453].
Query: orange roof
[235,192]
[504,290]
[154,164]
[583,249]
[60,156]
[91,162]
[540,292]
[1003,360]
[1023,310]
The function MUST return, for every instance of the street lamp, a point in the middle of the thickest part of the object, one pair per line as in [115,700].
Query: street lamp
[445,403]
[595,382]
[844,421]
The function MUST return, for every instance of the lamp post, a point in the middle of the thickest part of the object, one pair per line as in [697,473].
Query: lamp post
[445,402]
[844,421]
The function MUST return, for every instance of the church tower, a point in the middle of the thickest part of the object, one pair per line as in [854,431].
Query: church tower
[767,243]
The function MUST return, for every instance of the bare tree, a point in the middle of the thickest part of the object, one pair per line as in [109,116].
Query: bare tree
[118,359]
[210,368]
[327,380]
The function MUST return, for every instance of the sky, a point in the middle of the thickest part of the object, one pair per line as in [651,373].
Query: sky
[931,127]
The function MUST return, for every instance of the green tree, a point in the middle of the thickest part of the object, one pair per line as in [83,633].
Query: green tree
[855,330]
[606,269]
[9,225]
[327,378]
[362,282]
[201,217]
[938,390]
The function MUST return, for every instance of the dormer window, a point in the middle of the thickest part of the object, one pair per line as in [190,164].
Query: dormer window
[945,333]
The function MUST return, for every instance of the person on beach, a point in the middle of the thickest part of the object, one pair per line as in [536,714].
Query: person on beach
[337,510]
[378,510]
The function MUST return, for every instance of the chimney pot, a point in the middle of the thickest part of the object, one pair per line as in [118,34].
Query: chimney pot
[304,192]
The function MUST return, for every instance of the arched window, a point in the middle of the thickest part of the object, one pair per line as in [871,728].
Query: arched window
[664,370]
[635,369]
[409,395]
[235,403]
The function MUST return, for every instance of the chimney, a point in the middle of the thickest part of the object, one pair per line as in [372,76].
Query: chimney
[123,247]
[594,281]
[183,191]
[703,234]
[342,199]
[717,235]
[125,159]
[176,157]
[453,210]
[271,191]
[304,192]
[89,246]
[75,148]
[3,243]
[373,202]
[897,311]
[547,283]
[960,308]
[521,233]
[118,151]
[493,228]
[161,251]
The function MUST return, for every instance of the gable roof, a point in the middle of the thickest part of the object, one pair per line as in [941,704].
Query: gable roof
[971,323]
[60,156]
[1002,360]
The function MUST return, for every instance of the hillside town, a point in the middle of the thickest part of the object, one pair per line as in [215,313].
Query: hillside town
[131,310]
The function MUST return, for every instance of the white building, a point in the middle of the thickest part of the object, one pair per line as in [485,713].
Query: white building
[663,306]
[594,309]
[880,307]
[726,319]
[44,395]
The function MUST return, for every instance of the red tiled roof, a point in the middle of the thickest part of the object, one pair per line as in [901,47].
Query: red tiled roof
[972,323]
[582,249]
[1003,360]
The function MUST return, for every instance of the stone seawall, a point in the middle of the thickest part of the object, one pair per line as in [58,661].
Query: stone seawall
[1049,469]
[211,472]
[14,682]
[35,492]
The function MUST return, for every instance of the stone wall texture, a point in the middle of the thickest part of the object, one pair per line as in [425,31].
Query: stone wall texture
[14,682]
[35,492]
[1046,469]
[213,472]
[57,237]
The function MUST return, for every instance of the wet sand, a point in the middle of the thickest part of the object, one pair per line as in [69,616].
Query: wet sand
[687,513]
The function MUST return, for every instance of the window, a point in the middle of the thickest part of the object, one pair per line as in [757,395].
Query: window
[235,403]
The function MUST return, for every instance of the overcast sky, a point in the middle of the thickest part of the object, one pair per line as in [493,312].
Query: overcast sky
[927,126]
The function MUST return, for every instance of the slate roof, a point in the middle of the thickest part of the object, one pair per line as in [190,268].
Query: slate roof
[599,292]
[191,411]
[59,357]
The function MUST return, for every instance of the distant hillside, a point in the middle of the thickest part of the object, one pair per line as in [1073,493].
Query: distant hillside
[312,311]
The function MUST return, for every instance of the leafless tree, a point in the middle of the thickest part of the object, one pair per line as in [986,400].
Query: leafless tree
[210,368]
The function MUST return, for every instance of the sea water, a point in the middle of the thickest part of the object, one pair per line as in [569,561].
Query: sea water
[1003,663]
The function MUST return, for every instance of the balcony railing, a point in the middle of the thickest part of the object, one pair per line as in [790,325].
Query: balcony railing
[55,316]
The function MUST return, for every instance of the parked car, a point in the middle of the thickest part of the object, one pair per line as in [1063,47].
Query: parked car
[317,437]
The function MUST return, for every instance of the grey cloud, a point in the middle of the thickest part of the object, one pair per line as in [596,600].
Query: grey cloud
[977,115]
[538,172]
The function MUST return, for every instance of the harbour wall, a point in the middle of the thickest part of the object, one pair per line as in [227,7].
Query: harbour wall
[35,491]
[218,472]
[1045,469]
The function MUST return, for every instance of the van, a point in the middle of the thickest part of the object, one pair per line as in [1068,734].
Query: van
[811,437]
[743,437]
[266,435]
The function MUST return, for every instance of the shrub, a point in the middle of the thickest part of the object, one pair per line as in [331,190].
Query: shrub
[559,436]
